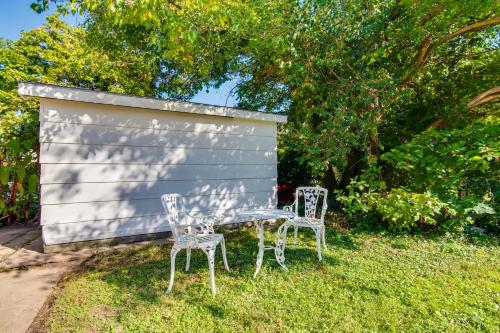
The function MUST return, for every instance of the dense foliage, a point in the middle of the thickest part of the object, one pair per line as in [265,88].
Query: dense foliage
[443,178]
[60,54]
[356,78]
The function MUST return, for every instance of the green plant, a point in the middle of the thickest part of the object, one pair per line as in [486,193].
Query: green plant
[404,210]
[399,209]
[443,178]
[459,166]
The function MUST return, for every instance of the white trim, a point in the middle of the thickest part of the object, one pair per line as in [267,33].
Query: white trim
[99,97]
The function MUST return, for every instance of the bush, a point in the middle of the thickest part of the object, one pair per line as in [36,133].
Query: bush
[446,179]
[398,209]
[403,210]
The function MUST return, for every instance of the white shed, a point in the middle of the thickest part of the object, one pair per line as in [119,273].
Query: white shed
[106,158]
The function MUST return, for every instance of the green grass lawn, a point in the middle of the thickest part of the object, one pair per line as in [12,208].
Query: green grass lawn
[365,283]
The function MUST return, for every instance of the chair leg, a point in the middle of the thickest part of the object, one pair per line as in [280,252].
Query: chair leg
[318,242]
[296,231]
[210,252]
[188,259]
[173,253]
[323,236]
[223,247]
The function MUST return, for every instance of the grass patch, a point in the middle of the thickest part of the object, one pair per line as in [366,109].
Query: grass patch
[365,283]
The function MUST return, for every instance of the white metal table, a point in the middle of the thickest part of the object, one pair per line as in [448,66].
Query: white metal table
[260,216]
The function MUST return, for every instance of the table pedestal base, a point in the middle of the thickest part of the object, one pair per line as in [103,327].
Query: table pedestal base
[278,248]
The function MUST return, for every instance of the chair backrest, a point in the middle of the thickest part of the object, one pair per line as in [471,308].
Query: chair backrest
[173,204]
[312,196]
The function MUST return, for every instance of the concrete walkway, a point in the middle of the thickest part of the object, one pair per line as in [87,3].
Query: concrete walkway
[28,276]
[26,250]
[23,294]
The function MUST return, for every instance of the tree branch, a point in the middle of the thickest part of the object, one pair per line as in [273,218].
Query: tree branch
[423,51]
[470,28]
[484,97]
[428,45]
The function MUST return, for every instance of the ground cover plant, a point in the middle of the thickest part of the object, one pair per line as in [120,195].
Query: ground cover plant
[367,282]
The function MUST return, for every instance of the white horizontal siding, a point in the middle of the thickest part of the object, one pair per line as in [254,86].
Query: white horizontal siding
[139,137]
[100,229]
[53,194]
[75,153]
[104,168]
[93,173]
[91,230]
[117,116]
[90,211]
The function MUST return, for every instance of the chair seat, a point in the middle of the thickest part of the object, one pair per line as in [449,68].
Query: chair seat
[198,241]
[305,222]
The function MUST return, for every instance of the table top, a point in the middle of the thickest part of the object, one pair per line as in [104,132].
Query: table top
[265,214]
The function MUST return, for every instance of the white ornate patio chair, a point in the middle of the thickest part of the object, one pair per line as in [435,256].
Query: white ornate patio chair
[197,235]
[312,217]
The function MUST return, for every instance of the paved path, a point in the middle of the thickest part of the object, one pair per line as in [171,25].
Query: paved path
[28,276]
[23,293]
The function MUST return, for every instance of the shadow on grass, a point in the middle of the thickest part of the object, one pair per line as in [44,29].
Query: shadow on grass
[143,273]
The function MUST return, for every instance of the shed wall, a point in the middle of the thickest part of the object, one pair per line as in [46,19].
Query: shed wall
[104,167]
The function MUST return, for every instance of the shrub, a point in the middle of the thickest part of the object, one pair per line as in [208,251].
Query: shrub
[398,208]
[402,210]
[441,178]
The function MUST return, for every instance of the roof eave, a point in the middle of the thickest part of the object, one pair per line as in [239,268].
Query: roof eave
[99,97]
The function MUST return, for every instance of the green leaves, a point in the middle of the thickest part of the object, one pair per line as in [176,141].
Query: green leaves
[4,176]
[33,183]
[405,210]
[444,160]
[444,178]
[20,172]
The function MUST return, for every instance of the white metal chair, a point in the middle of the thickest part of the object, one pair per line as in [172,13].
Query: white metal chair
[312,218]
[197,235]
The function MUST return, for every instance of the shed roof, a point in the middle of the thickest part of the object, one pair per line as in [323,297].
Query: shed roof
[99,97]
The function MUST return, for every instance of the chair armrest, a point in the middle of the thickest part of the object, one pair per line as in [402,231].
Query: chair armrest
[204,223]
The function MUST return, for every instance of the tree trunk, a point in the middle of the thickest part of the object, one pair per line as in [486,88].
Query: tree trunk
[330,180]
[484,97]
[353,167]
[12,199]
[374,142]
[26,209]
